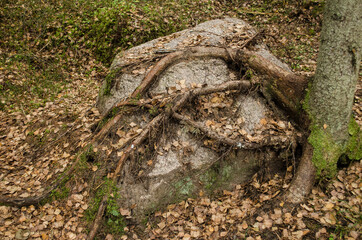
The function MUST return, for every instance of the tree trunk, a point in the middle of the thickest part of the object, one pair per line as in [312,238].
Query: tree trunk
[334,85]
[331,93]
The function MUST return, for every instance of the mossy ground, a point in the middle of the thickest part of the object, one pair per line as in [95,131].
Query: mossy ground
[44,45]
[114,222]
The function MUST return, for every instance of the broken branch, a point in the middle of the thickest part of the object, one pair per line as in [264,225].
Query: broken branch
[225,140]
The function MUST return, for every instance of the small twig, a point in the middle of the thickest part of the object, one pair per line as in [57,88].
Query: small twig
[22,110]
[249,40]
[43,47]
[255,12]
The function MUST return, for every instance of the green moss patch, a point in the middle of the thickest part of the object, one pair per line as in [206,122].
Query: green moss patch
[209,179]
[109,82]
[114,222]
[354,148]
[326,152]
[216,177]
[183,188]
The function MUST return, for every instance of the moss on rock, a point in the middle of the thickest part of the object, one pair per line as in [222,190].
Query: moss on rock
[209,179]
[109,82]
[183,187]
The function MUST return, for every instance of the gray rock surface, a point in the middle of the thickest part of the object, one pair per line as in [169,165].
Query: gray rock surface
[252,110]
[198,71]
[211,33]
[183,165]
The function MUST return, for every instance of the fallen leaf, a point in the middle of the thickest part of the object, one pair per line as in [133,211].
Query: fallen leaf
[161,225]
[125,212]
[328,206]
[263,121]
[244,225]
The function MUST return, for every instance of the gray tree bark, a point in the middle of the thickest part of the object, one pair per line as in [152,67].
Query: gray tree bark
[334,85]
[331,94]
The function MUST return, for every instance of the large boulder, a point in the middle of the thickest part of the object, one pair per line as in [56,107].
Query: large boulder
[183,162]
[129,67]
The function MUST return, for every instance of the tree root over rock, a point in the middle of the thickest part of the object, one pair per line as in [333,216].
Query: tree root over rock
[177,104]
[278,77]
[286,87]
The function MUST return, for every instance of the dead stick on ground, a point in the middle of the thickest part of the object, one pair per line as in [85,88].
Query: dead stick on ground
[154,124]
[225,140]
[20,202]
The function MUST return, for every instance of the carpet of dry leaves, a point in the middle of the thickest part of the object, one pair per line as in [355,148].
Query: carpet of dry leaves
[241,214]
[34,150]
[37,146]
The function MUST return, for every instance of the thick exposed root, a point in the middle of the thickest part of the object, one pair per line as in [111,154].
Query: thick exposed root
[304,179]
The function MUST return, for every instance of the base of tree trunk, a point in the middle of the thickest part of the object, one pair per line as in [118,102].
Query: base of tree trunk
[304,179]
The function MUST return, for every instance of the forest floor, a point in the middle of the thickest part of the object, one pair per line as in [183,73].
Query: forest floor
[43,128]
